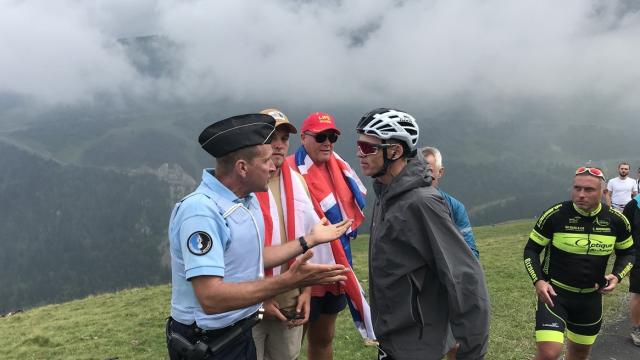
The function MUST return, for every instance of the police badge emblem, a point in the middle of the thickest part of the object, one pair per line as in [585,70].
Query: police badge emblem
[199,243]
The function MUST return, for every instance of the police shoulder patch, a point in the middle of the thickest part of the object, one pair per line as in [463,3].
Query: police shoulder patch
[199,243]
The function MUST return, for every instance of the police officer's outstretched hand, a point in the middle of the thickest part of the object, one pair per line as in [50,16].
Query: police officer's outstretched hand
[324,231]
[301,273]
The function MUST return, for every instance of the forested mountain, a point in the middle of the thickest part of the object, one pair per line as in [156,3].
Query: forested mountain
[69,231]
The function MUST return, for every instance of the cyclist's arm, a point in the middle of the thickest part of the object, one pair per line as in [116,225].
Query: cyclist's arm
[532,260]
[625,254]
[624,262]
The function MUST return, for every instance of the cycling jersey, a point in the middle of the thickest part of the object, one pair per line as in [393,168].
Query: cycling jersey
[577,246]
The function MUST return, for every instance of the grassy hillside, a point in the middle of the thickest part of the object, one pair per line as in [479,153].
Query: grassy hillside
[129,324]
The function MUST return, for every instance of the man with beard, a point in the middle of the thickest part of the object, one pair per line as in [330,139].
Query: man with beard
[622,189]
[288,214]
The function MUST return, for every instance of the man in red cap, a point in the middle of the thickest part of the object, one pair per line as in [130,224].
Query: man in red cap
[337,193]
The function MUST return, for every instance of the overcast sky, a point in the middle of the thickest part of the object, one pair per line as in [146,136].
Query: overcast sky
[341,52]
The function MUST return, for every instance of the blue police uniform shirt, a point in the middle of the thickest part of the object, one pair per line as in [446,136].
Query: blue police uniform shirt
[213,232]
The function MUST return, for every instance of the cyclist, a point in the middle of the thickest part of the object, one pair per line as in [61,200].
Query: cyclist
[427,290]
[578,236]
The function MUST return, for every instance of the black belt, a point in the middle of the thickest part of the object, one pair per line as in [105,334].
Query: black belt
[196,343]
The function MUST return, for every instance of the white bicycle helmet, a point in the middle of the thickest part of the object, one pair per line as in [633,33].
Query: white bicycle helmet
[386,124]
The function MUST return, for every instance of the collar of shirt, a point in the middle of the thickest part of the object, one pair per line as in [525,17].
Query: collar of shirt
[208,178]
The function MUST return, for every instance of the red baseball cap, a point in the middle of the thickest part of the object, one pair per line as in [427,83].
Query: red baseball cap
[318,122]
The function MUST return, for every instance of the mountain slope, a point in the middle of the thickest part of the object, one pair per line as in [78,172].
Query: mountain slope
[129,324]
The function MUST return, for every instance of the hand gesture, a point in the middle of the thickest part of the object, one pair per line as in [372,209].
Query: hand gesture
[612,282]
[324,232]
[271,308]
[545,292]
[303,307]
[303,274]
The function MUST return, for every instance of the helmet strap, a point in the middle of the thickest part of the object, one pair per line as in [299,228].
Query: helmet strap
[385,164]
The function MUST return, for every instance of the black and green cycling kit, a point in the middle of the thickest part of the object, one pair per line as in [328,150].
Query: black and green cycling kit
[577,247]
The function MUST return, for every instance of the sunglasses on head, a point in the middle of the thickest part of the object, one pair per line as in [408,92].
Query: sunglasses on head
[322,137]
[591,170]
[367,148]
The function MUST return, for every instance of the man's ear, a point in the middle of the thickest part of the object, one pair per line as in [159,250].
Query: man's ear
[441,172]
[241,167]
[397,152]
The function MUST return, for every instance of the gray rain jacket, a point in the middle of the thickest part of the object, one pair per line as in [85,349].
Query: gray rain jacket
[424,281]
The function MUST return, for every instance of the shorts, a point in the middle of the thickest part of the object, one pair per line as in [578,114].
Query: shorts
[327,304]
[579,314]
[634,278]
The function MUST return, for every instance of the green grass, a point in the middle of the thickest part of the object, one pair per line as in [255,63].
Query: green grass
[130,324]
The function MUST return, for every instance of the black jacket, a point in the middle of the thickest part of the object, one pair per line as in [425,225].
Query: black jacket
[632,213]
[424,280]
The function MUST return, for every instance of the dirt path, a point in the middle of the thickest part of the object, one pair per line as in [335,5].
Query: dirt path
[614,342]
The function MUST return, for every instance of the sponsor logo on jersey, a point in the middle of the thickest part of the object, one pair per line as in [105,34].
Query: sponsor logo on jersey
[601,222]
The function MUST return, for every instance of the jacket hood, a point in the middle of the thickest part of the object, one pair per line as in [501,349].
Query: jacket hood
[416,173]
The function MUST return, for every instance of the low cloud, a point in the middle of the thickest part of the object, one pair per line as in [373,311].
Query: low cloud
[417,54]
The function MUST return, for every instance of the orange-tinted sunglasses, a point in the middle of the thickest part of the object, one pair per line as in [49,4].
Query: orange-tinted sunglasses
[591,170]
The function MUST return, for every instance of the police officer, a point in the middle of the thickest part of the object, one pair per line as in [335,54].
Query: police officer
[217,254]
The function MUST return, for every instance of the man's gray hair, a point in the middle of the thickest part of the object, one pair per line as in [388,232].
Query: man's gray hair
[428,150]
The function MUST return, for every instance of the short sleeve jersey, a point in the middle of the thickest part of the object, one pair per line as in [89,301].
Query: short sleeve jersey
[213,232]
[578,244]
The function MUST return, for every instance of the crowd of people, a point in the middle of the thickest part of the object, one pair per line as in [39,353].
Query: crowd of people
[261,255]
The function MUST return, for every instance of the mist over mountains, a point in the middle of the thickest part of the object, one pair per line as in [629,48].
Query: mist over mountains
[97,143]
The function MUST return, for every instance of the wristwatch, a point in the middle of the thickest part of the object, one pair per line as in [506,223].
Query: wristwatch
[303,244]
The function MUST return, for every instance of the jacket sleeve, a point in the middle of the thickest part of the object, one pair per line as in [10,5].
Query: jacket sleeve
[460,273]
[461,219]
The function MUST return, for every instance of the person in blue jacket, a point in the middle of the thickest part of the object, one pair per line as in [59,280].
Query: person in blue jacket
[218,257]
[458,211]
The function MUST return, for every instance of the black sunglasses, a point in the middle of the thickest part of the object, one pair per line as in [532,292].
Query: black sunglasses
[322,137]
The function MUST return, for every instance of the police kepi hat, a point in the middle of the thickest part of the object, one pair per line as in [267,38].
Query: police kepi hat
[237,132]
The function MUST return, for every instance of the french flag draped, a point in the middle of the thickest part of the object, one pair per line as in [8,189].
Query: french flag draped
[345,200]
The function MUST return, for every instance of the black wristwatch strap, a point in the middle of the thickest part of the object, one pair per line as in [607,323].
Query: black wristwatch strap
[303,244]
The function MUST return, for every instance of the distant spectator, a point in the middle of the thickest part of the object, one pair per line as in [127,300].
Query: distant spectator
[622,189]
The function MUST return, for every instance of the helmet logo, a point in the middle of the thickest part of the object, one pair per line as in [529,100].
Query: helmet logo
[405,118]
